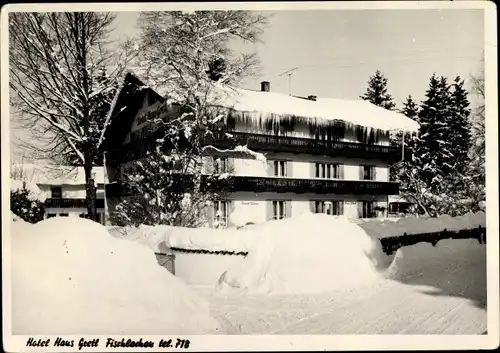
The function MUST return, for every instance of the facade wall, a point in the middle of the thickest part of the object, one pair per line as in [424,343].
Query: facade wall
[249,207]
[302,166]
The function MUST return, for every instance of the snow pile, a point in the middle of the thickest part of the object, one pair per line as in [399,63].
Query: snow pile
[411,260]
[419,225]
[210,239]
[153,237]
[311,253]
[70,276]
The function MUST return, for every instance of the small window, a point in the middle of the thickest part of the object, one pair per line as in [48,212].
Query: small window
[279,209]
[327,171]
[221,165]
[280,169]
[63,214]
[368,172]
[334,208]
[51,215]
[84,215]
[367,209]
[221,213]
[56,192]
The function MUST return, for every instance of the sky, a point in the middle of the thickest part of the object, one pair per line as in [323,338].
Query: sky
[336,51]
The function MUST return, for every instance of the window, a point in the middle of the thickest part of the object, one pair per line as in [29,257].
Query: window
[51,215]
[84,215]
[221,165]
[56,192]
[367,172]
[279,209]
[63,214]
[327,171]
[279,168]
[367,209]
[221,213]
[334,208]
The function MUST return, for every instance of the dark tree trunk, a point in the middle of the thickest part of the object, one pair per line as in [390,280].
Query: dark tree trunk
[90,189]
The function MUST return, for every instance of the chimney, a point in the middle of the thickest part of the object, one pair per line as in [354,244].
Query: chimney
[312,98]
[265,86]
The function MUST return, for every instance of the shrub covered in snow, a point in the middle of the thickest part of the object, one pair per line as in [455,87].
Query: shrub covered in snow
[26,201]
[70,276]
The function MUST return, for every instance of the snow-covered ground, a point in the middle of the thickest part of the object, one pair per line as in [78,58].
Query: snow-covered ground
[70,276]
[430,290]
[305,281]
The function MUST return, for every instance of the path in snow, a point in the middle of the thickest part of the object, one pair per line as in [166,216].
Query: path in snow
[445,297]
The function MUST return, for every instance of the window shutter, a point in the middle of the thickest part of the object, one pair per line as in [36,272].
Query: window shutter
[313,169]
[312,206]
[289,169]
[340,207]
[360,209]
[374,173]
[210,214]
[270,167]
[361,174]
[269,210]
[230,166]
[341,171]
[230,211]
[288,208]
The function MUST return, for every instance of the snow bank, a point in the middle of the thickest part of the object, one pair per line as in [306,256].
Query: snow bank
[419,225]
[70,276]
[153,237]
[210,239]
[307,254]
[412,260]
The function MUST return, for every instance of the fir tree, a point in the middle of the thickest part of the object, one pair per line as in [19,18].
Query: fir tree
[459,127]
[434,156]
[410,109]
[376,92]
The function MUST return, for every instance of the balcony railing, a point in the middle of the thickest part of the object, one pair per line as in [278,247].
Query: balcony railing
[309,145]
[286,185]
[315,186]
[138,149]
[71,203]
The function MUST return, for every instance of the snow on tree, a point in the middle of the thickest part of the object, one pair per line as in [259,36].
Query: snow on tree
[376,92]
[62,76]
[26,199]
[478,148]
[436,179]
[459,126]
[410,109]
[187,56]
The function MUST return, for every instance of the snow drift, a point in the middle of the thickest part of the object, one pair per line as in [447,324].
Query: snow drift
[70,277]
[308,254]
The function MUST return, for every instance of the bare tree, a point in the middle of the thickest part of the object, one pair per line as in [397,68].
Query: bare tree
[62,77]
[187,56]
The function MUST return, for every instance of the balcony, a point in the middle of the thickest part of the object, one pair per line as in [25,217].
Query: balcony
[311,146]
[70,203]
[283,185]
[260,142]
[315,186]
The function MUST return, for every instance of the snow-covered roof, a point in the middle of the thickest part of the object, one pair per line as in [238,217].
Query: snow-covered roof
[351,112]
[45,174]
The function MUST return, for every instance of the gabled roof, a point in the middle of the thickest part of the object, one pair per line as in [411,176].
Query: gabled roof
[126,103]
